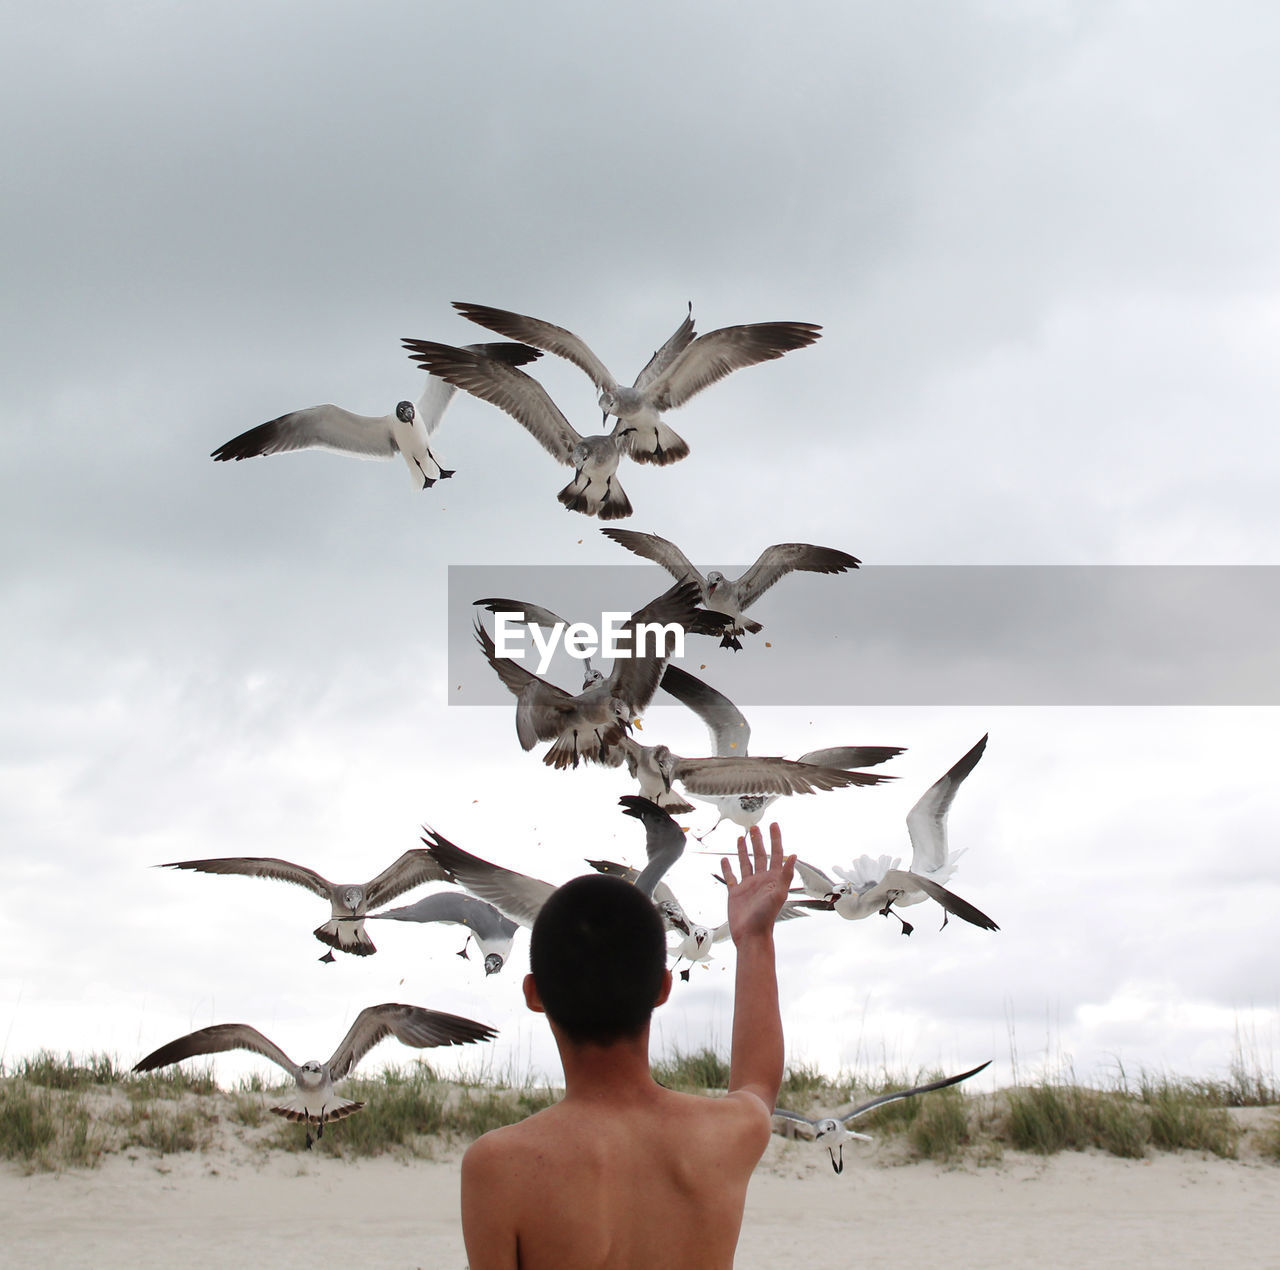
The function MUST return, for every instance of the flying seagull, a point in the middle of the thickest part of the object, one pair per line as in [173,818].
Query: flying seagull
[725,595]
[877,885]
[595,489]
[492,932]
[315,1100]
[350,902]
[521,897]
[832,1132]
[658,768]
[731,735]
[681,368]
[588,725]
[407,431]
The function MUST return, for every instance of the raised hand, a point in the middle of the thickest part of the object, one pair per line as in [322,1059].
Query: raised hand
[757,895]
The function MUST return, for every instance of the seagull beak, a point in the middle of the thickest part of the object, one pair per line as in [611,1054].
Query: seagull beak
[604,418]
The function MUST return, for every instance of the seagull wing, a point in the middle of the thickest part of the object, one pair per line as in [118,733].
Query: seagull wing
[659,550]
[438,393]
[411,1025]
[680,339]
[718,353]
[753,775]
[317,427]
[520,395]
[813,880]
[850,756]
[517,895]
[789,557]
[927,820]
[664,839]
[260,867]
[902,880]
[532,614]
[898,1094]
[412,869]
[213,1040]
[796,1118]
[730,731]
[458,909]
[634,679]
[555,339]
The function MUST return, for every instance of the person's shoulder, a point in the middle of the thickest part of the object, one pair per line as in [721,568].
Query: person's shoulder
[493,1152]
[741,1118]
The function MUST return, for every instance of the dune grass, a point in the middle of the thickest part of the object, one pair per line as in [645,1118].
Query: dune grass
[59,1112]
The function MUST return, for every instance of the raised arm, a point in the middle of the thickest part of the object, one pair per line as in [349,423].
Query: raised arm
[755,899]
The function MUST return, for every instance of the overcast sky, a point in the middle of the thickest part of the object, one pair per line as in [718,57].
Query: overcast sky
[1040,240]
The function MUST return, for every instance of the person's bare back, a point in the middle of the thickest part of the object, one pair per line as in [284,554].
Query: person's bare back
[623,1174]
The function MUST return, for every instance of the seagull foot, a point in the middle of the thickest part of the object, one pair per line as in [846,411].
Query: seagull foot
[328,958]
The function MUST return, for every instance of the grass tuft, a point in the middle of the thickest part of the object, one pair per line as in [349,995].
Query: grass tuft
[695,1072]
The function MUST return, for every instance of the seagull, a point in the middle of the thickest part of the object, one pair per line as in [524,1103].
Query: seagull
[832,1131]
[595,489]
[407,431]
[521,897]
[876,885]
[589,725]
[731,734]
[724,595]
[350,902]
[315,1101]
[681,368]
[493,932]
[658,767]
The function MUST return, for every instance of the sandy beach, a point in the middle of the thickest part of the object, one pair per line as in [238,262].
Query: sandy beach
[232,1206]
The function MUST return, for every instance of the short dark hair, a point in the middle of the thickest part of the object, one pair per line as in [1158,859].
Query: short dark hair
[597,954]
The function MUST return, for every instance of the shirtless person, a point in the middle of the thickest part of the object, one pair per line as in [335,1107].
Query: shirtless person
[622,1174]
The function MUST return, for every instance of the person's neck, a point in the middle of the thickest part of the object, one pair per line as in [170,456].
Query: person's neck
[617,1072]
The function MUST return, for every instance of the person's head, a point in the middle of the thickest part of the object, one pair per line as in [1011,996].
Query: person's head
[598,960]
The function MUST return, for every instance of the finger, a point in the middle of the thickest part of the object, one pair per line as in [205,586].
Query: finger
[788,871]
[775,843]
[743,863]
[727,872]
[757,845]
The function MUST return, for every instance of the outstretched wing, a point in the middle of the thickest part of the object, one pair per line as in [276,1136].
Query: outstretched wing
[412,869]
[411,1025]
[260,867]
[719,353]
[634,677]
[214,1040]
[664,839]
[659,550]
[517,895]
[898,1094]
[730,731]
[502,385]
[438,393]
[545,335]
[927,820]
[317,427]
[751,775]
[789,557]
[679,340]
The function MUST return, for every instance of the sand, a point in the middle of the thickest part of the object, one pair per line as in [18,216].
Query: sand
[232,1206]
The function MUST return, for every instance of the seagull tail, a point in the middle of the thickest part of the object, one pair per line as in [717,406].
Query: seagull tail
[655,444]
[580,496]
[338,1109]
[346,936]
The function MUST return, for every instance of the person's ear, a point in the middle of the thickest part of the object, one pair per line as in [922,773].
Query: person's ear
[665,991]
[534,1001]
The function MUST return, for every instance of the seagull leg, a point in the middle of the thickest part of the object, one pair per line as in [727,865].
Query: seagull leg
[427,481]
[445,472]
[907,927]
[462,952]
